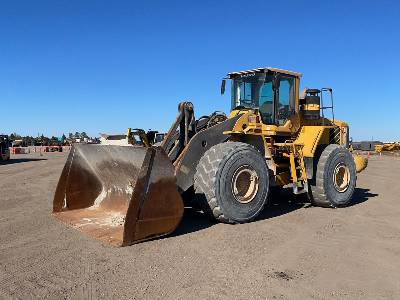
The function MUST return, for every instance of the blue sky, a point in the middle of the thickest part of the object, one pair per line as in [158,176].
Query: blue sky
[103,66]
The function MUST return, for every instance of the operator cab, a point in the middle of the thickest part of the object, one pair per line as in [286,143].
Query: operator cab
[272,91]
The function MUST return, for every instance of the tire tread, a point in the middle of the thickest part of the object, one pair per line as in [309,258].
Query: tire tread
[205,176]
[318,195]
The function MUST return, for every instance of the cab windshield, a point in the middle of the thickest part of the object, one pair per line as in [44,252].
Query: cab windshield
[256,91]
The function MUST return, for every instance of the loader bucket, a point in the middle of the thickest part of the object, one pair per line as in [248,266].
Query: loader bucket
[361,162]
[118,194]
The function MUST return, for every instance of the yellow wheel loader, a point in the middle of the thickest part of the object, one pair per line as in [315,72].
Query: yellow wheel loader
[273,137]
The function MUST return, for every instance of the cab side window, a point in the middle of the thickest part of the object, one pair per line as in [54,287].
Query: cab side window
[267,103]
[285,105]
[245,91]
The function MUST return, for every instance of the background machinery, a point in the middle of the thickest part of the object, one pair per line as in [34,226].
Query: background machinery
[273,137]
[4,147]
[139,136]
[379,148]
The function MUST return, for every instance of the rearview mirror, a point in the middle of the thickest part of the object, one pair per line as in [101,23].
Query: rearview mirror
[223,83]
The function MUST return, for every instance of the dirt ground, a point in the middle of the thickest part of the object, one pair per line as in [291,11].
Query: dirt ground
[293,251]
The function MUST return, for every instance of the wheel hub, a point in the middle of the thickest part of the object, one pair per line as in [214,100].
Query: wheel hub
[245,184]
[341,178]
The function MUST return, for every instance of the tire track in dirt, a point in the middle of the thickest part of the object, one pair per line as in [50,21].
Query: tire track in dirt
[292,252]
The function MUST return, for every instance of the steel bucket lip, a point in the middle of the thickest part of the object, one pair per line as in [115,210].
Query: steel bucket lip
[155,173]
[95,223]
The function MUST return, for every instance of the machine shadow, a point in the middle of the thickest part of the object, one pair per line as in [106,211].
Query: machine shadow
[19,160]
[361,195]
[285,202]
[279,204]
[192,220]
[282,203]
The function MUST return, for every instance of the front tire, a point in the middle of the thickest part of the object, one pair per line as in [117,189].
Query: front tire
[233,178]
[335,178]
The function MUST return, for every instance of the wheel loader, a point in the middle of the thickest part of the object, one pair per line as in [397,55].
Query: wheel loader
[273,137]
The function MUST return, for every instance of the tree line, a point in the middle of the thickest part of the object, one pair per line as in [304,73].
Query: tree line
[46,141]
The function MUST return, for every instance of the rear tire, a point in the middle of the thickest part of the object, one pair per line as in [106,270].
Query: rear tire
[335,179]
[233,178]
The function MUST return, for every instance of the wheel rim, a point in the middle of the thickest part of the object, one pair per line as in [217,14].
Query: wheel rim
[245,184]
[341,178]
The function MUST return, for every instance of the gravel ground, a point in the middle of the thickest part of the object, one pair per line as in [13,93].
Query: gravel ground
[293,251]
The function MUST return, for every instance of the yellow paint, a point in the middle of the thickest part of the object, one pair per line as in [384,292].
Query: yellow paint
[287,144]
[293,167]
[387,147]
[361,162]
[309,138]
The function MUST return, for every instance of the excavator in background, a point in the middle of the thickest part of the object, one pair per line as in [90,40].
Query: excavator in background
[273,137]
[139,136]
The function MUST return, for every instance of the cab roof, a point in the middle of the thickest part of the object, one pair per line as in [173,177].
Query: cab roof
[232,75]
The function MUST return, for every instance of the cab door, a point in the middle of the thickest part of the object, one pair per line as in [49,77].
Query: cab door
[284,96]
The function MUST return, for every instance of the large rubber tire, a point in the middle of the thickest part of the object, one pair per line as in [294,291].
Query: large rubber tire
[213,180]
[322,189]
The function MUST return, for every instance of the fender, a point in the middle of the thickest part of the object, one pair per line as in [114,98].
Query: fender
[186,163]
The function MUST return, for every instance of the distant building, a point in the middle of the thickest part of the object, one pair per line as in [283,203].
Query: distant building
[366,145]
[369,145]
[118,139]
